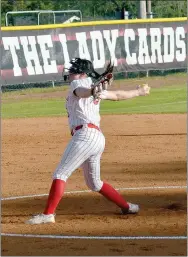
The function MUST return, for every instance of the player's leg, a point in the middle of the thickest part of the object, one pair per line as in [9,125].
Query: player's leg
[91,168]
[82,145]
[75,154]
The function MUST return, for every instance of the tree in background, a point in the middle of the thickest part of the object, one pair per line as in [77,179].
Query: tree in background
[96,9]
[168,9]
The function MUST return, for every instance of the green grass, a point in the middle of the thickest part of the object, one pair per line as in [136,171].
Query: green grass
[35,108]
[171,99]
[161,100]
[11,94]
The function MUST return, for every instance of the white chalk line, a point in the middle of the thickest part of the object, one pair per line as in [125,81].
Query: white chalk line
[99,237]
[88,191]
[96,237]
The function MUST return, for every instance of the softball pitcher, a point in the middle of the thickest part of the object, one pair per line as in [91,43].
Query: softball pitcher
[87,143]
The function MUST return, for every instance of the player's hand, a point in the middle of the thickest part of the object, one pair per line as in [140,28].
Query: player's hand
[96,90]
[107,82]
[102,86]
[143,90]
[105,85]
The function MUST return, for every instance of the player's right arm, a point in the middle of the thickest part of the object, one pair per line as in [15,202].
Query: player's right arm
[80,91]
[124,95]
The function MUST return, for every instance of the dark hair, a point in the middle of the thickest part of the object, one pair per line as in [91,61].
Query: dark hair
[85,66]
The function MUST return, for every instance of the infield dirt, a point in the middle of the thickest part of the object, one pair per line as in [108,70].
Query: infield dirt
[141,151]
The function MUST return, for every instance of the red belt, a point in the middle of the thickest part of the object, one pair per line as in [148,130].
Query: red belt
[90,125]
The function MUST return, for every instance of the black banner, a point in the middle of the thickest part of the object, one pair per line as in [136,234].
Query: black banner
[43,55]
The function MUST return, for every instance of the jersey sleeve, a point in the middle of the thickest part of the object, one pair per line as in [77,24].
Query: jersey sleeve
[74,84]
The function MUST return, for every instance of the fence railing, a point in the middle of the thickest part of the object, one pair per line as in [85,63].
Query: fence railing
[20,18]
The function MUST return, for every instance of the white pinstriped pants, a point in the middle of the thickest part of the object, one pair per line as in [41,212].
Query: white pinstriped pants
[84,150]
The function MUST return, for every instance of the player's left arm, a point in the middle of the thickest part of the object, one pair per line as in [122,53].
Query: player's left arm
[124,95]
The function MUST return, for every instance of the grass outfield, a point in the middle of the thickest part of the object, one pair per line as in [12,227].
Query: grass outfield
[171,99]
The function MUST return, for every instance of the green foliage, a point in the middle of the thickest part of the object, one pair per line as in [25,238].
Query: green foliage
[96,9]
[169,9]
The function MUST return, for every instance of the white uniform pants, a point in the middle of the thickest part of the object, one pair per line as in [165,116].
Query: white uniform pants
[84,150]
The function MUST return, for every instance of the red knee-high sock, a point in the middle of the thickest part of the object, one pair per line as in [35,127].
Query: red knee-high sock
[55,195]
[111,194]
